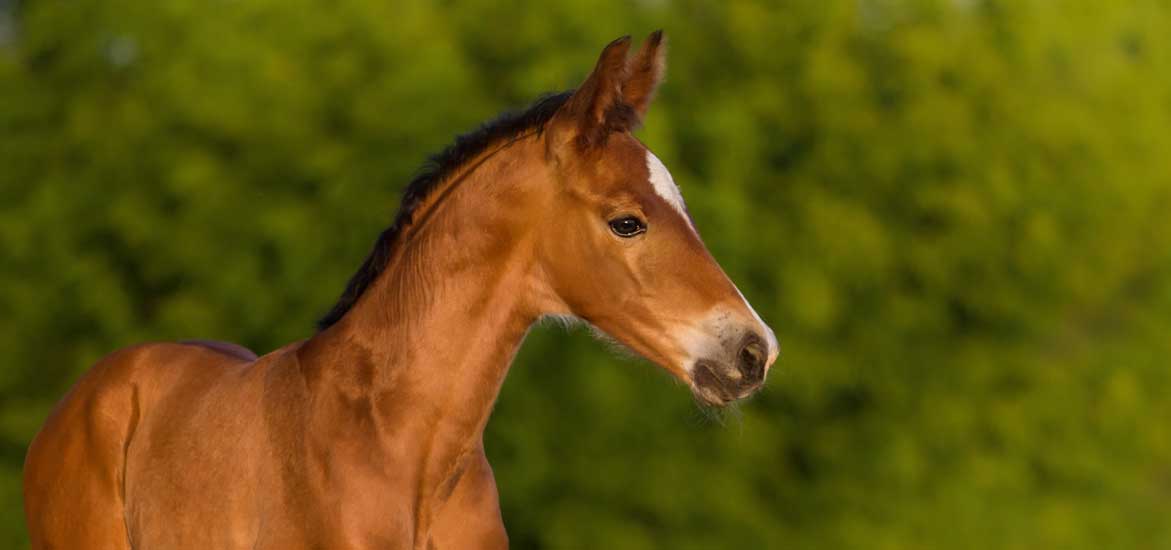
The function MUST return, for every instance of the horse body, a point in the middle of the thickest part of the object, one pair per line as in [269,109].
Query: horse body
[178,446]
[369,433]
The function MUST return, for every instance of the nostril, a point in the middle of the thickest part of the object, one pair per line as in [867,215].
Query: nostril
[752,358]
[751,354]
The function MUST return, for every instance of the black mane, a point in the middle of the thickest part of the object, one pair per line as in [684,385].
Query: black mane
[437,168]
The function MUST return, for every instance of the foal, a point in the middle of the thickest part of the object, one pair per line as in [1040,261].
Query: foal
[369,433]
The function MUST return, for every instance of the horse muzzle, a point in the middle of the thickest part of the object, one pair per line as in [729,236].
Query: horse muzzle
[718,381]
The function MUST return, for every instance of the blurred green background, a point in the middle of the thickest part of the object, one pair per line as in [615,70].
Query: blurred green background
[954,214]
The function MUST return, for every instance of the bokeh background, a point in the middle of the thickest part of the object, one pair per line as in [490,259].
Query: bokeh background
[954,213]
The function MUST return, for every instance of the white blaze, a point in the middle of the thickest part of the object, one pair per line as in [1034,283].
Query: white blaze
[770,337]
[664,184]
[697,339]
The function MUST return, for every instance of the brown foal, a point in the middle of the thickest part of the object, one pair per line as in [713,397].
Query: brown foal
[369,433]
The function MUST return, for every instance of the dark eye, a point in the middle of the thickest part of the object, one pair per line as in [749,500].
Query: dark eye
[627,226]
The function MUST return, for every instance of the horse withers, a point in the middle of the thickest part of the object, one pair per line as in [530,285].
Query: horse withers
[369,433]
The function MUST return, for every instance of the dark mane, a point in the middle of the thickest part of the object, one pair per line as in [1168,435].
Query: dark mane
[437,168]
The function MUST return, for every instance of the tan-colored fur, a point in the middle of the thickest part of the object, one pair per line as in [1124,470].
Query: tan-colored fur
[369,434]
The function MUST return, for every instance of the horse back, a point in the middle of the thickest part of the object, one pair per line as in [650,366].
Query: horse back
[227,348]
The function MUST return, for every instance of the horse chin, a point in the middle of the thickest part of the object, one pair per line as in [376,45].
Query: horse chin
[708,398]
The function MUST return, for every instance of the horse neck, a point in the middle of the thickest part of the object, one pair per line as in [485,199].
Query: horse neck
[429,343]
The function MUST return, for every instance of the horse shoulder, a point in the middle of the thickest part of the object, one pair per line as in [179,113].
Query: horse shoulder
[468,514]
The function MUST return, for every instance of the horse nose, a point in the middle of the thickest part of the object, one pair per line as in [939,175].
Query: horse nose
[752,359]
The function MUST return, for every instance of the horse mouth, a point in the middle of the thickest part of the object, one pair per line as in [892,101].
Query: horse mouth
[716,385]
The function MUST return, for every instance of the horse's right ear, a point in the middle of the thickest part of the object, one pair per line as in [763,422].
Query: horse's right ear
[595,108]
[646,70]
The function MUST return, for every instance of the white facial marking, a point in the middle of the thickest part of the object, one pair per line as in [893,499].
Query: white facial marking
[696,341]
[664,184]
[707,339]
[773,346]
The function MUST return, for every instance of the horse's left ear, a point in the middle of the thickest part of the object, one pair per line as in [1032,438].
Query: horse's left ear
[644,73]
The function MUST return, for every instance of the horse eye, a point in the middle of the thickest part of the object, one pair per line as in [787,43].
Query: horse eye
[627,227]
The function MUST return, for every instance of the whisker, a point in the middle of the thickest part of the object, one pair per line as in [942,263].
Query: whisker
[564,322]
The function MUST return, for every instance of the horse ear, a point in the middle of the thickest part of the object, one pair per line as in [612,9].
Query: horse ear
[645,72]
[597,107]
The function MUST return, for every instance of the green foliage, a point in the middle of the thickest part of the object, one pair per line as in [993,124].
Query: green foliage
[953,213]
